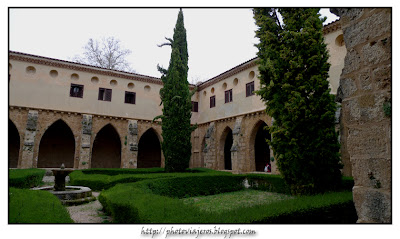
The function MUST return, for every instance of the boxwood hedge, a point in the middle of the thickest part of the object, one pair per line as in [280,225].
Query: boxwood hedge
[25,178]
[35,206]
[99,179]
[157,201]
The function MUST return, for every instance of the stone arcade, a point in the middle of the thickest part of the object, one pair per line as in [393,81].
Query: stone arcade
[89,117]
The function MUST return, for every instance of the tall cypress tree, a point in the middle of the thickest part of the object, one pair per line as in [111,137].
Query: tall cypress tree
[176,101]
[293,65]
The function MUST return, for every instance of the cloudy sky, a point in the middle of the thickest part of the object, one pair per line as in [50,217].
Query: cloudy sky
[218,39]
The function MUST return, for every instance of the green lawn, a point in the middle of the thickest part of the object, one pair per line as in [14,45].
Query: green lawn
[233,200]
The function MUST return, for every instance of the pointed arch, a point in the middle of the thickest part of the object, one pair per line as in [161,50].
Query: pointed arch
[259,148]
[13,145]
[149,150]
[226,142]
[106,150]
[57,146]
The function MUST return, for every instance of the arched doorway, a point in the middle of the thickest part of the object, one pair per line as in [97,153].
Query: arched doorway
[227,142]
[57,147]
[13,145]
[149,155]
[106,152]
[261,148]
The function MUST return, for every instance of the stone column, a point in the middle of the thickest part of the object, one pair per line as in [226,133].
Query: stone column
[365,94]
[209,148]
[132,141]
[27,160]
[86,135]
[237,151]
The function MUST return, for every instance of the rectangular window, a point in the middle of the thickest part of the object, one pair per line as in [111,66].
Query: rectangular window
[130,97]
[76,91]
[212,101]
[105,94]
[228,96]
[250,89]
[195,106]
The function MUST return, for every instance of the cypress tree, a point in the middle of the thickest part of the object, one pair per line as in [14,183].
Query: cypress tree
[293,65]
[176,101]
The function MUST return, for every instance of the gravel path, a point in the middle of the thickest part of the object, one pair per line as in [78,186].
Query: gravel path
[84,213]
[89,212]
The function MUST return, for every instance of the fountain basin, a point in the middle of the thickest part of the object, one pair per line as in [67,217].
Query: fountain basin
[59,178]
[73,195]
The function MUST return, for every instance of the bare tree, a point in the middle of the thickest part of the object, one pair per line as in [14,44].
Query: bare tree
[106,53]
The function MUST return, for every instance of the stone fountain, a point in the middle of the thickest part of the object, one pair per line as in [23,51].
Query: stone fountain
[59,177]
[69,195]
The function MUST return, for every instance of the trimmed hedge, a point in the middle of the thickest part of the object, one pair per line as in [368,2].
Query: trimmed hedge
[143,202]
[25,178]
[338,213]
[275,183]
[268,182]
[183,187]
[118,171]
[110,177]
[35,206]
[98,182]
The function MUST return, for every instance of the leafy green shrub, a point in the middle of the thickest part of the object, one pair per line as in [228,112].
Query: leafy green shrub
[275,183]
[267,182]
[328,208]
[25,178]
[99,182]
[196,185]
[343,213]
[107,178]
[137,203]
[35,206]
[117,171]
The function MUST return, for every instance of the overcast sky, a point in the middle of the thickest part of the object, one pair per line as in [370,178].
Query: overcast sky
[218,39]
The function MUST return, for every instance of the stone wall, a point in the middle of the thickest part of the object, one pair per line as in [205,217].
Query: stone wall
[33,123]
[365,94]
[208,149]
[208,139]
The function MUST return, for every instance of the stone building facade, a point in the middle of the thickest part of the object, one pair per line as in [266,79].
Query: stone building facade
[366,123]
[89,117]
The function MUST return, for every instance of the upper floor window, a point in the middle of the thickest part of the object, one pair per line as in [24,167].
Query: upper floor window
[105,94]
[212,101]
[195,106]
[76,91]
[228,96]
[130,97]
[250,89]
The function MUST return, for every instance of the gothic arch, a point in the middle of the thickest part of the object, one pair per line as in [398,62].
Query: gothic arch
[156,130]
[57,146]
[149,150]
[106,150]
[259,151]
[14,140]
[226,141]
[54,121]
